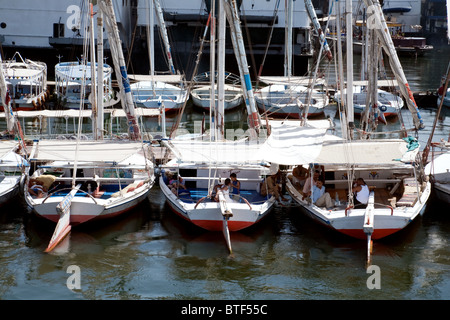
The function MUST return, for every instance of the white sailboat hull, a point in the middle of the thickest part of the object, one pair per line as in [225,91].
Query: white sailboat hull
[282,100]
[350,221]
[85,208]
[9,189]
[194,205]
[208,215]
[69,81]
[13,171]
[439,169]
[442,191]
[157,94]
[388,103]
[233,97]
[115,176]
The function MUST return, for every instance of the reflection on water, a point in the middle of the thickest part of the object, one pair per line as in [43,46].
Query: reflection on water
[152,254]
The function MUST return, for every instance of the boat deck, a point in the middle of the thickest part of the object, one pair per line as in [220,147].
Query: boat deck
[106,191]
[194,195]
[382,195]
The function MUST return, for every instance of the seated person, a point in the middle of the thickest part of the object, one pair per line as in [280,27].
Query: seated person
[298,177]
[168,175]
[46,180]
[310,182]
[235,184]
[225,188]
[176,185]
[270,187]
[360,192]
[321,198]
[36,188]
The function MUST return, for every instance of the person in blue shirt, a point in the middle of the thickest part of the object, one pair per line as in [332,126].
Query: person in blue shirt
[321,198]
[235,184]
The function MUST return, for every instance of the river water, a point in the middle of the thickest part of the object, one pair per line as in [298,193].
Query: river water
[150,253]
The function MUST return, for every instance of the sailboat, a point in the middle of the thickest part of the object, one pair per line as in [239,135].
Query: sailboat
[70,76]
[13,169]
[291,97]
[202,164]
[389,104]
[282,100]
[111,177]
[157,94]
[438,168]
[385,104]
[155,91]
[26,82]
[201,92]
[13,163]
[439,171]
[79,181]
[389,170]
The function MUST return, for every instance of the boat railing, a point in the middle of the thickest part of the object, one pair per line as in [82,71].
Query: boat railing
[375,204]
[366,180]
[234,195]
[59,190]
[245,200]
[386,206]
[208,178]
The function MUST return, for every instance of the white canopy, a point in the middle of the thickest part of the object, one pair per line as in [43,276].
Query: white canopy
[287,144]
[88,151]
[440,168]
[366,152]
[230,152]
[6,146]
[298,145]
[9,159]
[291,145]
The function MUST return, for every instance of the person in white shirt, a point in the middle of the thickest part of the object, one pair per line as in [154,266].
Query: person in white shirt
[360,192]
[225,188]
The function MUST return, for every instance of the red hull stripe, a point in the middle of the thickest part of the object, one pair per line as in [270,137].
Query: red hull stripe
[216,225]
[359,233]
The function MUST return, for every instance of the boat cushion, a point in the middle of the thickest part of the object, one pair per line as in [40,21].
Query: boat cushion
[410,195]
